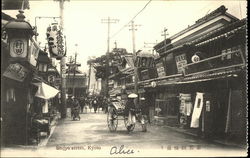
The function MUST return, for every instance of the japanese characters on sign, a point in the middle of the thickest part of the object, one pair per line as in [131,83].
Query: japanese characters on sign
[160,69]
[18,47]
[56,41]
[16,72]
[181,61]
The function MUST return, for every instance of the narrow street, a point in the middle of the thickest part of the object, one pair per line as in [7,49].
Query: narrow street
[91,133]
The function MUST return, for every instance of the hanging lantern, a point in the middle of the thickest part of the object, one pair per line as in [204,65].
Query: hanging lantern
[56,41]
[195,58]
[19,33]
[43,62]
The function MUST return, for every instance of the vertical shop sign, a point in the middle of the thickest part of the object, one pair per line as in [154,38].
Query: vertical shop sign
[56,41]
[181,61]
[197,110]
[160,69]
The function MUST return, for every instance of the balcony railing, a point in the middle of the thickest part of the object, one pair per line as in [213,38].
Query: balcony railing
[232,59]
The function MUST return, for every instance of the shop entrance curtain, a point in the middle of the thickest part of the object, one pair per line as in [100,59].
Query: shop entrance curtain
[45,91]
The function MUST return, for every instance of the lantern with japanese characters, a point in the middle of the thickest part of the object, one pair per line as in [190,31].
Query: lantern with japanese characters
[56,41]
[19,32]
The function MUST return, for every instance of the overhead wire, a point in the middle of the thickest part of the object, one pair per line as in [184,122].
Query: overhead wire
[130,20]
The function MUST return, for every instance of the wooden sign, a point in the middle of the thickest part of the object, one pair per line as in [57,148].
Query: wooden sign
[16,72]
[181,61]
[160,69]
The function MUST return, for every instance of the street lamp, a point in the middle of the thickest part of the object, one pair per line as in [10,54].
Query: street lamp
[43,62]
[22,47]
[19,33]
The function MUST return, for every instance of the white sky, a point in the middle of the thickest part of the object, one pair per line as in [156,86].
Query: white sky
[83,21]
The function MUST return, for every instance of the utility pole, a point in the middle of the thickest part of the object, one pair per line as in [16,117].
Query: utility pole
[75,65]
[133,29]
[90,64]
[165,37]
[69,69]
[108,21]
[62,65]
[115,44]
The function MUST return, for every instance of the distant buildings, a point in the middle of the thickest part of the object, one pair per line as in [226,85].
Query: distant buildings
[198,81]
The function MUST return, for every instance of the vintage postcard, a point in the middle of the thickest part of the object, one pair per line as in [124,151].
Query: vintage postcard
[124,78]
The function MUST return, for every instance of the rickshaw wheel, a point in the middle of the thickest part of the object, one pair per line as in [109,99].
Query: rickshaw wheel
[129,128]
[112,119]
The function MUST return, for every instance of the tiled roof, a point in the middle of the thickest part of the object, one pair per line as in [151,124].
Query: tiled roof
[232,28]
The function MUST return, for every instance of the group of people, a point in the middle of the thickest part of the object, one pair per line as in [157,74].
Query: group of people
[87,103]
[97,102]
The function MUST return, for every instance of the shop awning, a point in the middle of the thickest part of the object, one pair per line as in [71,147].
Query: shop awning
[45,91]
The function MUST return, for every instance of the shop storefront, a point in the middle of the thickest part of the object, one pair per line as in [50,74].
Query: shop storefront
[19,52]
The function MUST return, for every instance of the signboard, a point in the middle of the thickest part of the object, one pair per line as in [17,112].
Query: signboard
[181,61]
[18,47]
[33,52]
[160,69]
[16,72]
[56,41]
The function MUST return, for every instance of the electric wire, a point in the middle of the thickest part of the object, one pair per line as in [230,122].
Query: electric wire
[130,20]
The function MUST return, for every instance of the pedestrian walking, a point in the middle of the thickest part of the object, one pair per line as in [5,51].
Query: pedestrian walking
[75,110]
[82,103]
[129,106]
[144,107]
[69,105]
[95,104]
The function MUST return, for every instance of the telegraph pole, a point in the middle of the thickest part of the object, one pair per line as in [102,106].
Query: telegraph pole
[89,77]
[133,29]
[108,21]
[75,65]
[63,65]
[69,69]
[165,37]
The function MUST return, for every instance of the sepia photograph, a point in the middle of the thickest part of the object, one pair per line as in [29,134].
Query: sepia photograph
[124,78]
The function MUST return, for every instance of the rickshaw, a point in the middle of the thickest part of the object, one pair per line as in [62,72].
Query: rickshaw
[116,112]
